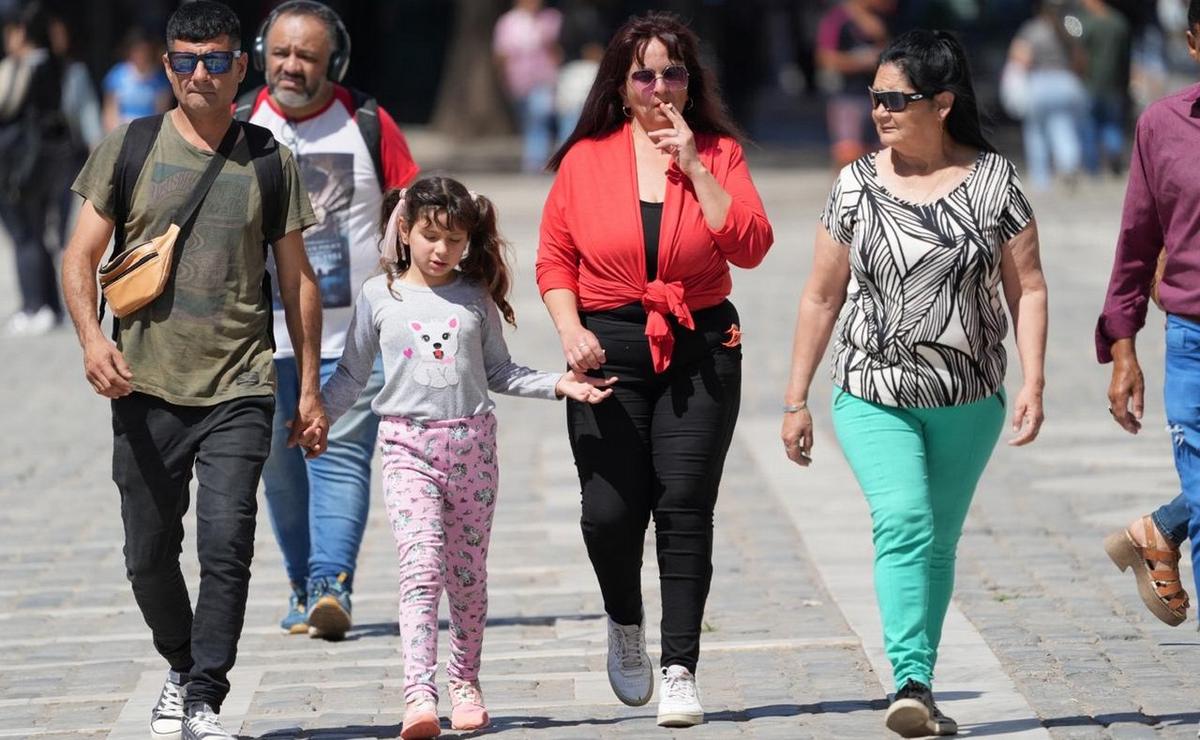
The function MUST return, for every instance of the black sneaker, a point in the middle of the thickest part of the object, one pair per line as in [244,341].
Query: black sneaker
[911,712]
[166,719]
[942,725]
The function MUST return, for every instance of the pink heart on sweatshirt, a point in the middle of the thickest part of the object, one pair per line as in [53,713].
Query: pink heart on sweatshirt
[408,353]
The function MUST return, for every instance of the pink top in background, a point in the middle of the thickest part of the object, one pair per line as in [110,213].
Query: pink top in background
[526,41]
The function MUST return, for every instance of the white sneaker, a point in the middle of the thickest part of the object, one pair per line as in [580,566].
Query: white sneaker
[203,723]
[678,700]
[31,324]
[629,671]
[166,719]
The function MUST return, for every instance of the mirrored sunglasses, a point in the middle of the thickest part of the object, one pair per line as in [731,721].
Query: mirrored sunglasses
[893,101]
[674,77]
[216,62]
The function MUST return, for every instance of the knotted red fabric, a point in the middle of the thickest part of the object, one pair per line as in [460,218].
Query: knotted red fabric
[660,299]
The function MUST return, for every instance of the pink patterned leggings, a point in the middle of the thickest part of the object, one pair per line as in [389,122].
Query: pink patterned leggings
[440,482]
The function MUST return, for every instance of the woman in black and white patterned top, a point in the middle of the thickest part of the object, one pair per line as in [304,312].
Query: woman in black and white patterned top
[920,247]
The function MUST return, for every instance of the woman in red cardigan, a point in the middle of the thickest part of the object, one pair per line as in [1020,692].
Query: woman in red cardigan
[652,202]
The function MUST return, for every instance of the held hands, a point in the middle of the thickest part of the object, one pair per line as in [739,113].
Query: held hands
[677,141]
[797,436]
[310,427]
[582,350]
[579,387]
[106,369]
[1027,416]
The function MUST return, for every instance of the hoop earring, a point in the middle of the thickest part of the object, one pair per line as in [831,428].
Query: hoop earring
[628,113]
[691,103]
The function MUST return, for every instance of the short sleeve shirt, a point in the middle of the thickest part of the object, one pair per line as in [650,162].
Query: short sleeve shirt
[924,320]
[205,339]
[135,95]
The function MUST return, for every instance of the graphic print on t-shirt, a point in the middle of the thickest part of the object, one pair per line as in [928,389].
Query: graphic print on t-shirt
[437,346]
[329,179]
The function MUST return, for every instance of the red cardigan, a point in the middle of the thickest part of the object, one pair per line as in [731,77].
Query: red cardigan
[592,242]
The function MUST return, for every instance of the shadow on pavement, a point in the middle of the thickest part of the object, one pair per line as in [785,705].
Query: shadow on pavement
[392,629]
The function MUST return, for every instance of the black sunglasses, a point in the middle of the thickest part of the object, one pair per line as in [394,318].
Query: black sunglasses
[893,102]
[216,62]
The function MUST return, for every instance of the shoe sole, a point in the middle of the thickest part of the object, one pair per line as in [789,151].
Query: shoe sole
[1124,555]
[328,620]
[909,718]
[422,729]
[297,629]
[166,735]
[680,719]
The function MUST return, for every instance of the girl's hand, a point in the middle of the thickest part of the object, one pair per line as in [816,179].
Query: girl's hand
[583,388]
[797,435]
[1027,416]
[677,141]
[582,350]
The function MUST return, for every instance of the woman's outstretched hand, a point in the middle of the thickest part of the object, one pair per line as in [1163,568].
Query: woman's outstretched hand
[579,387]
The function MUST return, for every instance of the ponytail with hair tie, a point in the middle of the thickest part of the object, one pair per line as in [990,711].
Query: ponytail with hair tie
[391,235]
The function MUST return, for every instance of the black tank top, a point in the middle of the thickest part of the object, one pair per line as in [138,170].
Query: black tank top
[651,225]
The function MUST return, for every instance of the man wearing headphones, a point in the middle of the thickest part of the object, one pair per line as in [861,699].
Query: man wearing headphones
[349,151]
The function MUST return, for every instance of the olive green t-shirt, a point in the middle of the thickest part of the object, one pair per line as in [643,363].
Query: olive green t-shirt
[205,339]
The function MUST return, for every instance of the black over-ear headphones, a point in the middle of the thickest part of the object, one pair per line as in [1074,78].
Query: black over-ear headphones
[339,60]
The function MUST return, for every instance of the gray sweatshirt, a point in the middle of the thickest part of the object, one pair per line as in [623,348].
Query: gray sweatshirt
[443,350]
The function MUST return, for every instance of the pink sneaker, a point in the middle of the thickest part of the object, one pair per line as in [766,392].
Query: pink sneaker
[468,712]
[420,718]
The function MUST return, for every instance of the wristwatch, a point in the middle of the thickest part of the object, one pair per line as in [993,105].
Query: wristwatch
[791,408]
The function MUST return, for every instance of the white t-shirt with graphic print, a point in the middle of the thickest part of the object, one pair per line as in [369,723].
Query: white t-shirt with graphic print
[339,175]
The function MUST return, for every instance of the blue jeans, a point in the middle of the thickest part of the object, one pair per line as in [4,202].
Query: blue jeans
[1181,389]
[1104,132]
[1057,108]
[1172,520]
[535,113]
[319,507]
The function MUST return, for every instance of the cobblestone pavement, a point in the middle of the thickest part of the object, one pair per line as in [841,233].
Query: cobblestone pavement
[780,659]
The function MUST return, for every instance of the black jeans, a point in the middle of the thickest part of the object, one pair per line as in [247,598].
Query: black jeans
[657,447]
[156,444]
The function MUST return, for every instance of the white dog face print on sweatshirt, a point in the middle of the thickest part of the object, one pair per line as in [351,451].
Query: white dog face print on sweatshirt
[437,346]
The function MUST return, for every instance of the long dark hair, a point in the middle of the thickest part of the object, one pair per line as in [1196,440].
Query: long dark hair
[448,203]
[934,62]
[602,113]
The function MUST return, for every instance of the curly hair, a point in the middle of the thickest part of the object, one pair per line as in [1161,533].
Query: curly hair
[448,203]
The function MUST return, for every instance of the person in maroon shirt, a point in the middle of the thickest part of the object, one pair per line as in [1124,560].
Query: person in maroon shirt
[1161,214]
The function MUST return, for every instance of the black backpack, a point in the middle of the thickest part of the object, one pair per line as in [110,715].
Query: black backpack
[268,170]
[365,113]
[35,129]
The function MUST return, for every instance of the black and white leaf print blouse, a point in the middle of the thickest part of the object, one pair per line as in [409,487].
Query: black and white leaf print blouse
[924,318]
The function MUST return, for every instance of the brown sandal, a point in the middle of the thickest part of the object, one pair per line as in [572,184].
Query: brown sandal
[1156,572]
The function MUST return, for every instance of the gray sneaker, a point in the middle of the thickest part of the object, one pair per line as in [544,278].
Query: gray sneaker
[166,719]
[629,671]
[202,723]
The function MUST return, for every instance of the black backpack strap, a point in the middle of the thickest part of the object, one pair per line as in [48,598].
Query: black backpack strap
[244,107]
[268,170]
[135,150]
[366,115]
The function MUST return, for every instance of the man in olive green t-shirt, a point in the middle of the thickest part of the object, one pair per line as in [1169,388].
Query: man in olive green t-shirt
[191,376]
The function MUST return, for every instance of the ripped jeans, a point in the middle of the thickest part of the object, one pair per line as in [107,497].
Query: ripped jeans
[1181,391]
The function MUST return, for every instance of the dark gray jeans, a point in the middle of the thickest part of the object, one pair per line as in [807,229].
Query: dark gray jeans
[156,445]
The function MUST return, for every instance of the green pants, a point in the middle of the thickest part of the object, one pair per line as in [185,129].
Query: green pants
[918,468]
